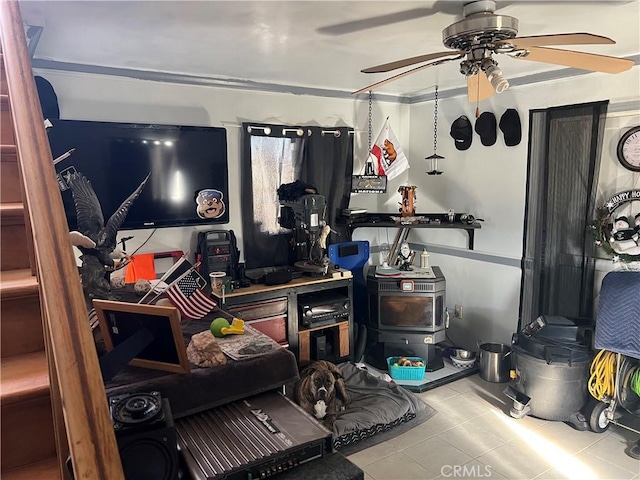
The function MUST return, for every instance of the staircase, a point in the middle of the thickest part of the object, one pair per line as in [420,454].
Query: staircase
[47,353]
[28,440]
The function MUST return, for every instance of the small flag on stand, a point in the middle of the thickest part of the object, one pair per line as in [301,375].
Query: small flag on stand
[178,269]
[386,153]
[187,295]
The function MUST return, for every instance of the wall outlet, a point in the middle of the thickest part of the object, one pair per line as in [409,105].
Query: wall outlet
[458,311]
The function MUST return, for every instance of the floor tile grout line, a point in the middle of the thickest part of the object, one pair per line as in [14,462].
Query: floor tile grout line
[603,459]
[477,393]
[476,457]
[446,430]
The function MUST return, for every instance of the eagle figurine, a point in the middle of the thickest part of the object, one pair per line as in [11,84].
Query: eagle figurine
[95,240]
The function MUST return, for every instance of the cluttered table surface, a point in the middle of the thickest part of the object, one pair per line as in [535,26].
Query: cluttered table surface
[207,387]
[257,288]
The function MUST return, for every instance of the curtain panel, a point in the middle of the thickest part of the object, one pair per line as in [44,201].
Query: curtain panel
[273,155]
[564,162]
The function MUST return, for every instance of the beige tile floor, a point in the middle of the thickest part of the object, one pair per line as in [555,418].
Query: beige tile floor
[473,436]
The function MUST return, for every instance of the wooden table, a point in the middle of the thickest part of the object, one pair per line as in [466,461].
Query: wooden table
[246,301]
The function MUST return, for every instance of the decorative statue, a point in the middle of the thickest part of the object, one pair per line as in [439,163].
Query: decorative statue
[407,206]
[405,257]
[95,240]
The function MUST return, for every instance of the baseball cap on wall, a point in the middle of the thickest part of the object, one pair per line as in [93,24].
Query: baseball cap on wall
[511,128]
[486,128]
[461,132]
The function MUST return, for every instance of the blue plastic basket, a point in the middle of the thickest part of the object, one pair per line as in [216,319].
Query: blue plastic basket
[406,373]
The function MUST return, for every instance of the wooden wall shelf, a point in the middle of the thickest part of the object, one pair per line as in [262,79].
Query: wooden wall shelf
[385,220]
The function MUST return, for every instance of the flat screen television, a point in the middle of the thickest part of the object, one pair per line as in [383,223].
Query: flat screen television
[188,167]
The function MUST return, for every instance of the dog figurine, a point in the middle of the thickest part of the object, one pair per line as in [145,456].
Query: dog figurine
[320,386]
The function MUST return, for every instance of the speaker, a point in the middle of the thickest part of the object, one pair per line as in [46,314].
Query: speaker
[146,436]
[319,347]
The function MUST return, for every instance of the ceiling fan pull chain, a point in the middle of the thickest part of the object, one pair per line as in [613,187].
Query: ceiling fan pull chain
[478,97]
[369,167]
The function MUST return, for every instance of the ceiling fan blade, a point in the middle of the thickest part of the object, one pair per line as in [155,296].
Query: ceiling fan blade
[447,7]
[585,61]
[387,67]
[373,22]
[559,39]
[404,74]
[478,87]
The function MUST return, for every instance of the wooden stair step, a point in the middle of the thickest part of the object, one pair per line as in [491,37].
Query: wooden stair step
[8,153]
[44,470]
[18,283]
[12,213]
[14,245]
[6,123]
[27,419]
[24,377]
[4,89]
[10,189]
[21,326]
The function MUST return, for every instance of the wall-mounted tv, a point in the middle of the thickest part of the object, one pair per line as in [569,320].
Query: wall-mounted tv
[188,166]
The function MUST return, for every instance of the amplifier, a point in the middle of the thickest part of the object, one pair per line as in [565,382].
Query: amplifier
[322,308]
[254,438]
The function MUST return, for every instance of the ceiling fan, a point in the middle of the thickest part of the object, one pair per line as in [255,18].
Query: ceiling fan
[482,33]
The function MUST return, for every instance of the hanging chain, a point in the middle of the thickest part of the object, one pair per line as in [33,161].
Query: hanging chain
[370,116]
[369,167]
[435,123]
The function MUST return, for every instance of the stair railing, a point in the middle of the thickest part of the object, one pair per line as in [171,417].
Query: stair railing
[91,439]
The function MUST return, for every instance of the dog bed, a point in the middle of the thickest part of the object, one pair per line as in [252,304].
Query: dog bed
[376,406]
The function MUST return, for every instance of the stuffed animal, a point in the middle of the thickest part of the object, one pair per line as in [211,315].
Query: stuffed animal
[624,238]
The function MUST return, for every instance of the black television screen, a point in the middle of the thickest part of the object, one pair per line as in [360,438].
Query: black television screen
[188,167]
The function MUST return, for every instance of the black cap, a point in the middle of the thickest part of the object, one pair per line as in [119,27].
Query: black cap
[462,133]
[486,128]
[511,128]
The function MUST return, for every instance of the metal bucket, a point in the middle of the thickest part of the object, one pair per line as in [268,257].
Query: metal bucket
[495,362]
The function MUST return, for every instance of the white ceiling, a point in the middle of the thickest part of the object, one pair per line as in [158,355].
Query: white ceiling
[282,42]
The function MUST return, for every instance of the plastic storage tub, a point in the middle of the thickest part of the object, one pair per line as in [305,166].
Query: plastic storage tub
[406,373]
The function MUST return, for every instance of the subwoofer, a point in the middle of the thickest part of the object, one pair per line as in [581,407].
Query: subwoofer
[146,436]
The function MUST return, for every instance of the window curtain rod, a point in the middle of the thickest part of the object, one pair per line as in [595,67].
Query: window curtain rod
[297,130]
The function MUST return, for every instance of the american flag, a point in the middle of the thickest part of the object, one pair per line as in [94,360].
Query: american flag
[187,295]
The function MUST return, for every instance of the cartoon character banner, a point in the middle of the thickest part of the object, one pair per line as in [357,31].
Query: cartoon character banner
[387,153]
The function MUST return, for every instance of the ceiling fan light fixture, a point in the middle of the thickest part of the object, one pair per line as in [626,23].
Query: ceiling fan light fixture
[468,68]
[495,75]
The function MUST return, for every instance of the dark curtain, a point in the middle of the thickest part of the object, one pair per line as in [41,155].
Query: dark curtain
[264,246]
[559,258]
[328,165]
[325,160]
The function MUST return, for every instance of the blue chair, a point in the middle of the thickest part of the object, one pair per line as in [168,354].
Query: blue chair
[354,256]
